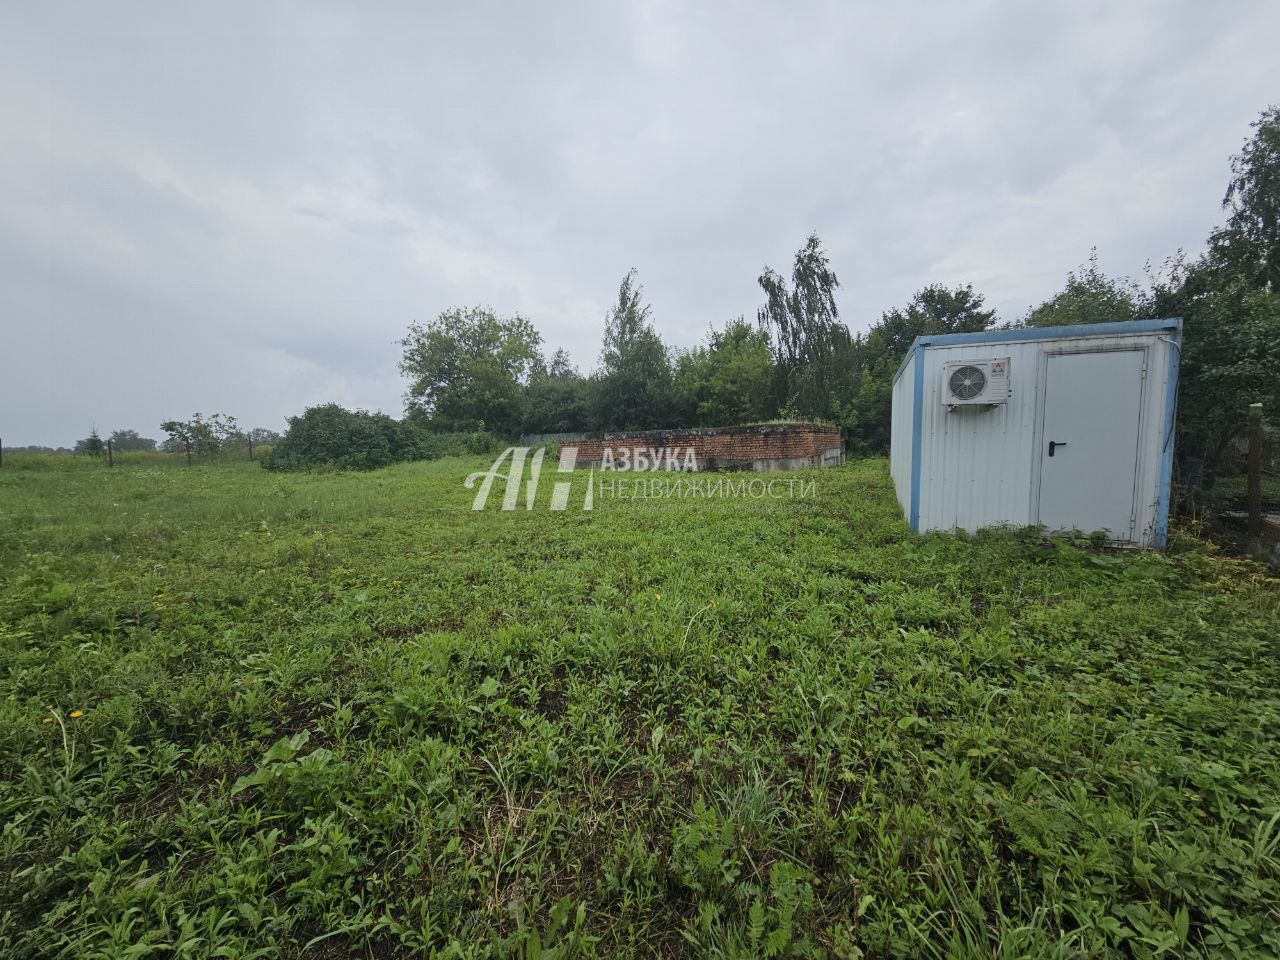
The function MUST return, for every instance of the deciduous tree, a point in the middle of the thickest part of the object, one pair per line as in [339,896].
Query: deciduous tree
[129,440]
[558,398]
[1089,296]
[730,380]
[1251,236]
[807,328]
[468,369]
[200,435]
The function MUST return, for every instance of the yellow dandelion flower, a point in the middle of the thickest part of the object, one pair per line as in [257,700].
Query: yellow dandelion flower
[77,714]
[658,596]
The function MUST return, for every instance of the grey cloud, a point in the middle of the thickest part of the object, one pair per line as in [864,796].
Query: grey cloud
[241,207]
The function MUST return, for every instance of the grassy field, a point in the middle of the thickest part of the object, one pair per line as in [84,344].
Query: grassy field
[331,715]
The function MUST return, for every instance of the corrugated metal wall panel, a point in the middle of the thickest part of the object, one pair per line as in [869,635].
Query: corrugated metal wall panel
[975,461]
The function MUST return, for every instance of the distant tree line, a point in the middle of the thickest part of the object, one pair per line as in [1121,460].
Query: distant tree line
[122,441]
[39,448]
[199,434]
[471,369]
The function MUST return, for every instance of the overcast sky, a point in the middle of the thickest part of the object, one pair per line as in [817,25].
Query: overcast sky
[240,207]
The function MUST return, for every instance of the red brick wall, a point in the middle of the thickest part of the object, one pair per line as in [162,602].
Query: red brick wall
[721,446]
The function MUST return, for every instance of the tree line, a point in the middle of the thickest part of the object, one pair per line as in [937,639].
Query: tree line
[198,434]
[471,369]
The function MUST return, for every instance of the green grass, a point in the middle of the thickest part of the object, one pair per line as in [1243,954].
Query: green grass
[340,715]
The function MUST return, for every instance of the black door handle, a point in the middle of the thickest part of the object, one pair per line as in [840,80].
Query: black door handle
[1054,444]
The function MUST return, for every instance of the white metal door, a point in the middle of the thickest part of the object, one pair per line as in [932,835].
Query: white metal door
[1089,452]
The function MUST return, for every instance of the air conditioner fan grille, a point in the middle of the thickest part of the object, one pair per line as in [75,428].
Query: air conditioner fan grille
[967,382]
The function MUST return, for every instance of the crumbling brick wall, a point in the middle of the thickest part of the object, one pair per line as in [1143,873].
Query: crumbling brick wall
[775,446]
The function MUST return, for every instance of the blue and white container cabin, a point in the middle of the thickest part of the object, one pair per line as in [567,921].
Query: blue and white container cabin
[1069,428]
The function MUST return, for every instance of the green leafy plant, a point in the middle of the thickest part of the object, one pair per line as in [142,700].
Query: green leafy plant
[339,714]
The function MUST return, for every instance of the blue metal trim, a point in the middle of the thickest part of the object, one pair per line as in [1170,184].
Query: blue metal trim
[1166,451]
[1121,329]
[1013,335]
[917,434]
[911,350]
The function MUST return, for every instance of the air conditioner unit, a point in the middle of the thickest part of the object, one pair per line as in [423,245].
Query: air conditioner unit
[970,382]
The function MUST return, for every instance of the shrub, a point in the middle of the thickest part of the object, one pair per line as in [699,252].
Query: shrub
[331,435]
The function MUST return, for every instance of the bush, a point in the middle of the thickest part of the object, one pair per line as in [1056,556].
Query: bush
[433,446]
[332,436]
